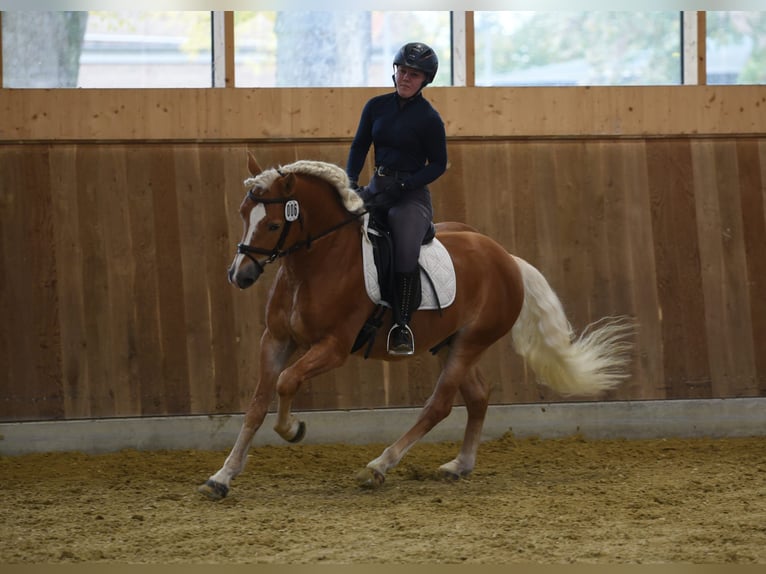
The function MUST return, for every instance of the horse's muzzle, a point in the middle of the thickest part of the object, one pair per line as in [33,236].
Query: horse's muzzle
[244,275]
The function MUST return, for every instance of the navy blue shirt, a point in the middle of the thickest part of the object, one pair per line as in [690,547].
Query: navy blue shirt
[408,138]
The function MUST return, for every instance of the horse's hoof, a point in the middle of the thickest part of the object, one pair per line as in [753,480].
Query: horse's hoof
[452,473]
[300,434]
[370,478]
[214,490]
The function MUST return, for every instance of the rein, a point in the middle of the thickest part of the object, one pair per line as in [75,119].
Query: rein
[292,213]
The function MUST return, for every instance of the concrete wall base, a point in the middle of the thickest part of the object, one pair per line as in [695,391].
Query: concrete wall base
[715,418]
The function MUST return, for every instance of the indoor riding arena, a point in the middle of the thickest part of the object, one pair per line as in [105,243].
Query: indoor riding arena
[128,360]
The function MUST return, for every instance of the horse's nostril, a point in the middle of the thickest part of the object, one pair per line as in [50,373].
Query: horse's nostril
[245,282]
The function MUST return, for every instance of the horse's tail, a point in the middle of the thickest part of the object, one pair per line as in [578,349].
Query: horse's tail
[590,364]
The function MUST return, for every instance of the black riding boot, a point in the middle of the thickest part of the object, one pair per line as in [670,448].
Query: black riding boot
[400,338]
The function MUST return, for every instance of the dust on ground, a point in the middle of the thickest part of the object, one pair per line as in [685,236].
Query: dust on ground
[529,500]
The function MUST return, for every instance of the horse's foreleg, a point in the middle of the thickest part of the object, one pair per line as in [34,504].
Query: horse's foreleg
[437,408]
[320,358]
[475,394]
[217,486]
[273,358]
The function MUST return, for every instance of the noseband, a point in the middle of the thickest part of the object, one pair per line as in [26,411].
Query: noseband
[292,213]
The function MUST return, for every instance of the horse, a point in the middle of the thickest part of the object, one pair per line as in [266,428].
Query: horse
[306,216]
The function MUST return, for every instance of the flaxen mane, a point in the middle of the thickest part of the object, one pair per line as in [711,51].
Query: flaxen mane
[327,171]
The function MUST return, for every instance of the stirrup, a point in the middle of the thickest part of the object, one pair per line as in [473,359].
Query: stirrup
[405,347]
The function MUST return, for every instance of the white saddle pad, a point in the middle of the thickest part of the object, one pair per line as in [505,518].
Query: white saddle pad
[434,259]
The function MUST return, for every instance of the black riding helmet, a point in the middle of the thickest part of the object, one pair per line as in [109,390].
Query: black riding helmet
[420,57]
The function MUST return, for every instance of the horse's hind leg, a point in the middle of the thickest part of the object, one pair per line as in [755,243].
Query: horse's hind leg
[475,393]
[438,406]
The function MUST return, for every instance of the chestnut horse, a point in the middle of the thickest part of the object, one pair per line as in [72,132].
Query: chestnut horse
[305,215]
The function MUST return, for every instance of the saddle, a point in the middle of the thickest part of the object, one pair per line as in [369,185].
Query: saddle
[437,275]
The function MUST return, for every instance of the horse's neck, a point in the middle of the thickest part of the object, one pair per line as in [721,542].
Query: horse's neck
[328,249]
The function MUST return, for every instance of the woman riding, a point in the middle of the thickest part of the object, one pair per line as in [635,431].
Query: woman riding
[410,148]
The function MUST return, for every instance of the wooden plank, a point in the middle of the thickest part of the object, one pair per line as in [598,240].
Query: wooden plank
[145,341]
[92,201]
[470,50]
[547,213]
[613,241]
[30,353]
[575,224]
[754,213]
[194,238]
[290,114]
[170,279]
[676,248]
[712,257]
[468,171]
[463,49]
[722,255]
[641,276]
[498,180]
[739,359]
[14,339]
[517,185]
[693,46]
[222,192]
[120,277]
[223,49]
[752,172]
[69,281]
[41,273]
[551,182]
[702,47]
[449,200]
[230,79]
[612,273]
[94,254]
[521,385]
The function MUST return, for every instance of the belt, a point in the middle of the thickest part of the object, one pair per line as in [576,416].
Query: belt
[383,171]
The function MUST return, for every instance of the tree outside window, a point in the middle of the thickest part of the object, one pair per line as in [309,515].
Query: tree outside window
[736,47]
[577,48]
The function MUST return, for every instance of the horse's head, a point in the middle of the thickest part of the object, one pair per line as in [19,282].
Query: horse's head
[268,212]
[276,199]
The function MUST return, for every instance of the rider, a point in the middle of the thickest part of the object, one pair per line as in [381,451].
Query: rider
[410,149]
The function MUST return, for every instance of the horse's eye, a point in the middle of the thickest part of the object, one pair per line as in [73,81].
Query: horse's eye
[274,226]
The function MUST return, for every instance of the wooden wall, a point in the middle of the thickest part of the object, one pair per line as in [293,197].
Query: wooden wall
[118,219]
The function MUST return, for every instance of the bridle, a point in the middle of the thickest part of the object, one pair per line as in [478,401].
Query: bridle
[292,214]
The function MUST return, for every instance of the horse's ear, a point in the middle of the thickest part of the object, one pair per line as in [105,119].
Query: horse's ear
[288,183]
[252,165]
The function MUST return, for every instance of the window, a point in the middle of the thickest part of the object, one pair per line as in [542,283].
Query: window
[736,48]
[107,49]
[52,59]
[101,49]
[338,48]
[577,48]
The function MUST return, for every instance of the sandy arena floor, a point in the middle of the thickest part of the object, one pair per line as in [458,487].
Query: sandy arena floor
[546,501]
